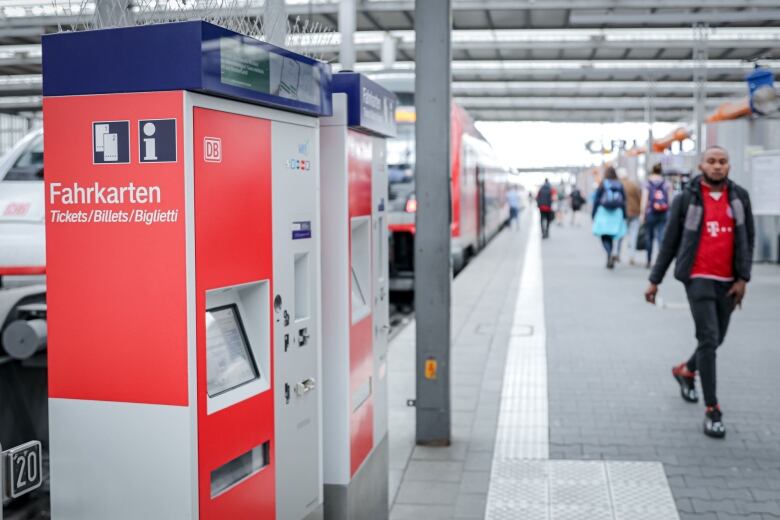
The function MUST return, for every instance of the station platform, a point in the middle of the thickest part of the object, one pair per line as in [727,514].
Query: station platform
[563,402]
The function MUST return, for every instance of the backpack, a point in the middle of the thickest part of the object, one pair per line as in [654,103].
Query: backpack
[612,196]
[658,198]
[577,199]
[544,197]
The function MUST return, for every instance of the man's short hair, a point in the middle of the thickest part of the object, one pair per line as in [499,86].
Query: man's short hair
[713,147]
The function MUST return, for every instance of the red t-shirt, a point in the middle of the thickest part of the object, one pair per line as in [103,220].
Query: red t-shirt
[715,256]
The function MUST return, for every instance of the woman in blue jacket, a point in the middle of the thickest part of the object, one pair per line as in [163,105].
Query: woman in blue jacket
[609,213]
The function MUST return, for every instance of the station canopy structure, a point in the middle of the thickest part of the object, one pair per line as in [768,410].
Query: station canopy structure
[518,60]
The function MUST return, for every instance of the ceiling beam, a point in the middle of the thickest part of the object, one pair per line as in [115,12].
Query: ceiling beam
[462,42]
[575,116]
[579,103]
[560,88]
[43,15]
[507,69]
[710,17]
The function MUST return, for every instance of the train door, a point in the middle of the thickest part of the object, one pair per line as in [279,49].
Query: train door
[481,206]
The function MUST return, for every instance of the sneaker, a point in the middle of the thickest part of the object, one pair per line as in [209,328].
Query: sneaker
[713,422]
[687,381]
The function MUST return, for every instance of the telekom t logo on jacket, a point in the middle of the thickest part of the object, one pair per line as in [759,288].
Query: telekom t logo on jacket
[714,228]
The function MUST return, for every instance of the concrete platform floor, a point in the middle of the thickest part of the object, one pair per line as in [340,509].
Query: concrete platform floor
[608,394]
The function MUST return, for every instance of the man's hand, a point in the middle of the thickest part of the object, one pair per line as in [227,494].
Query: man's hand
[737,292]
[650,293]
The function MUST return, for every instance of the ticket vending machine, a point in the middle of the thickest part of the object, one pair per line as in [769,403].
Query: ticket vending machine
[355,297]
[182,203]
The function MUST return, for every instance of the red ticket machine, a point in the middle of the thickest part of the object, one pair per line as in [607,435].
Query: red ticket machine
[355,297]
[182,250]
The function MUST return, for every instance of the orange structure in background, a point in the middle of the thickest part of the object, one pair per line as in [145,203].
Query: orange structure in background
[725,112]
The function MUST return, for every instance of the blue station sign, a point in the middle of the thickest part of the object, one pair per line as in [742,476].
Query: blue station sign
[370,107]
[196,56]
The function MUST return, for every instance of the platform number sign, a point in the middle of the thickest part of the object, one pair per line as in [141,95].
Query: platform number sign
[22,469]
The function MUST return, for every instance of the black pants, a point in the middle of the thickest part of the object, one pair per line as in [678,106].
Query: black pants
[711,308]
[607,241]
[546,217]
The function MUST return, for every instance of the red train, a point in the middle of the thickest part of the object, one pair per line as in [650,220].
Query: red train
[478,185]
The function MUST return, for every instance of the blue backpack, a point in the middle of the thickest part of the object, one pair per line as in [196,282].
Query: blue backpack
[612,196]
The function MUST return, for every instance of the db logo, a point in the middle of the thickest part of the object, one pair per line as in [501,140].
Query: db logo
[212,149]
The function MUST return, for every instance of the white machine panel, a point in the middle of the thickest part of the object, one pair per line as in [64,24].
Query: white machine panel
[381,296]
[296,242]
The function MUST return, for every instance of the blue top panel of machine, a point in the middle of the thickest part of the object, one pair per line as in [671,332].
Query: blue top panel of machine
[370,107]
[196,56]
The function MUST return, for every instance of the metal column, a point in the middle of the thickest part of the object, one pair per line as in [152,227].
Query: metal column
[275,22]
[389,47]
[347,24]
[432,265]
[112,13]
[650,116]
[701,33]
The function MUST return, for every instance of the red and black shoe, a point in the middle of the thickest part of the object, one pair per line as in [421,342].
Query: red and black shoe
[713,422]
[687,381]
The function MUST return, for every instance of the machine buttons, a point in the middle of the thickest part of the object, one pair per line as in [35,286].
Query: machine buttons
[286,316]
[305,386]
[303,337]
[286,342]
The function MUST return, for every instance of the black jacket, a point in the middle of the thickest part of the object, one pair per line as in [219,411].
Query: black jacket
[683,232]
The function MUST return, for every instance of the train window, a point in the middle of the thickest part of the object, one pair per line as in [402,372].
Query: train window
[29,165]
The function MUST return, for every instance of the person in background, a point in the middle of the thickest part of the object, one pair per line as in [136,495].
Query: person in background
[633,211]
[544,199]
[513,199]
[560,204]
[577,201]
[609,210]
[712,236]
[656,201]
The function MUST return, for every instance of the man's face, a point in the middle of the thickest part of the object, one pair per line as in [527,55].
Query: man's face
[715,165]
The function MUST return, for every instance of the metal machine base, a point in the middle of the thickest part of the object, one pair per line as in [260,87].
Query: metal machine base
[315,515]
[366,496]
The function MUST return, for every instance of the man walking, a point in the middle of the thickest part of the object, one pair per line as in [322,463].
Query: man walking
[633,207]
[710,232]
[544,199]
[513,199]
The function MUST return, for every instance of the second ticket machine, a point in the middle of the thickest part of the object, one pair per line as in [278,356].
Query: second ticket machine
[355,297]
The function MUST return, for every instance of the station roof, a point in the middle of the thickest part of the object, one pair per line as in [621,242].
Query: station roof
[558,60]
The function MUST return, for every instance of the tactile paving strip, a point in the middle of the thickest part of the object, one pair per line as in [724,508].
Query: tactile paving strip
[524,484]
[582,490]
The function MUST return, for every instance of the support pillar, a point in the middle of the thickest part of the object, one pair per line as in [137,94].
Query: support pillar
[347,25]
[389,45]
[432,263]
[275,22]
[700,32]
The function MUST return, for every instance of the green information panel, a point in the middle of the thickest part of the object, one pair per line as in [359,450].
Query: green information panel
[246,66]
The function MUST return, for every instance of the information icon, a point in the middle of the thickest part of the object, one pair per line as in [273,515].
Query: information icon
[157,140]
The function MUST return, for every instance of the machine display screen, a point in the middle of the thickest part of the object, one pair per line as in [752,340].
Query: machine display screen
[229,360]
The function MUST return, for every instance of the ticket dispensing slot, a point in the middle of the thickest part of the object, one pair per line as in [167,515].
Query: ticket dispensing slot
[237,343]
[361,268]
[238,469]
